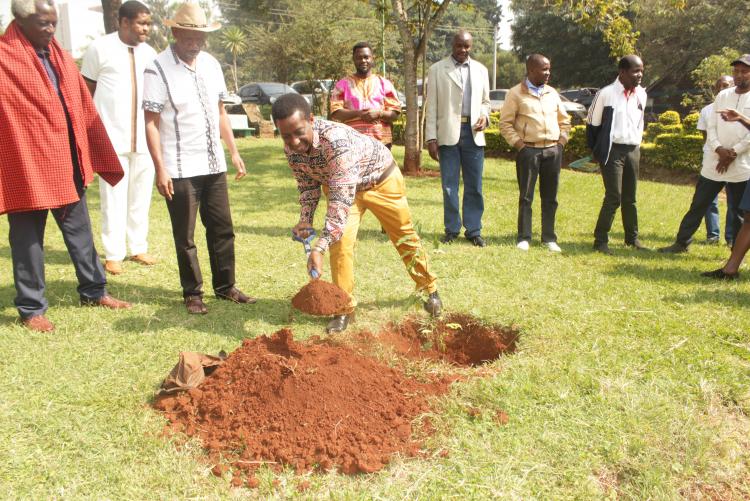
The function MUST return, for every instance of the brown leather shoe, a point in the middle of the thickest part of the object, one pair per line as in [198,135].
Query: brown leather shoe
[234,294]
[106,301]
[113,267]
[195,305]
[38,323]
[144,259]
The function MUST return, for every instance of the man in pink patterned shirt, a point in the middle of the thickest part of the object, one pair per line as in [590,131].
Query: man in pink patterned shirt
[364,101]
[357,173]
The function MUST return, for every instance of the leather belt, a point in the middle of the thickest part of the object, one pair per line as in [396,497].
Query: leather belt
[387,172]
[542,144]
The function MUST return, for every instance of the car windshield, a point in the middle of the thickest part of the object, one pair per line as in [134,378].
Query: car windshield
[275,89]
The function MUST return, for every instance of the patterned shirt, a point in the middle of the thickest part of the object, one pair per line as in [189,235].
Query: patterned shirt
[369,93]
[343,160]
[188,101]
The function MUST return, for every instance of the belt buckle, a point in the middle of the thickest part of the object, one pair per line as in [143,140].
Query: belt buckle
[464,120]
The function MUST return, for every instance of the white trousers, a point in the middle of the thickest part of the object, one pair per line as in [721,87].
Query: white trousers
[125,207]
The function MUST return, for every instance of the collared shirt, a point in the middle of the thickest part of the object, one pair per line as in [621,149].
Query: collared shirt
[369,93]
[533,89]
[188,101]
[117,69]
[345,161]
[728,135]
[627,121]
[464,70]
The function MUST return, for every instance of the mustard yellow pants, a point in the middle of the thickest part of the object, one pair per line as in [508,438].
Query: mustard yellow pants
[387,201]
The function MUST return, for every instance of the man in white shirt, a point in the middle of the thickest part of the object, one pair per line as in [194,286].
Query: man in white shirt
[716,174]
[185,117]
[614,132]
[113,70]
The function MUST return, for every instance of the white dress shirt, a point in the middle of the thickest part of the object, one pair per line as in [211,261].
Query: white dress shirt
[188,101]
[627,122]
[733,135]
[117,69]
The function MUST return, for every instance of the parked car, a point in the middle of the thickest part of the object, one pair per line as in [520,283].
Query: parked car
[584,95]
[577,111]
[497,98]
[263,92]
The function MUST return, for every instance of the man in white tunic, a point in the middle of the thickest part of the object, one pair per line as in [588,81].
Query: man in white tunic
[113,70]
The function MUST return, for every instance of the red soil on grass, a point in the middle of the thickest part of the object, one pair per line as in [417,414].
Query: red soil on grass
[309,406]
[321,298]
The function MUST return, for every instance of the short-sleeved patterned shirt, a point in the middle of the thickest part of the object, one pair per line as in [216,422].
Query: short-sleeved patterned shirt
[370,93]
[187,100]
[345,161]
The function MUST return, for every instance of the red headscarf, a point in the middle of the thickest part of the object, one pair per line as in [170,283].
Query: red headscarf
[36,171]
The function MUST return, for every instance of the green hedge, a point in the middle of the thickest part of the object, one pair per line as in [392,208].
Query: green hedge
[690,123]
[669,118]
[577,147]
[676,151]
[496,143]
[657,128]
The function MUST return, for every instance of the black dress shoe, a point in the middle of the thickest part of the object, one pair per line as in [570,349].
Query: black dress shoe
[478,241]
[236,296]
[339,323]
[448,238]
[637,245]
[433,305]
[720,274]
[603,248]
[675,248]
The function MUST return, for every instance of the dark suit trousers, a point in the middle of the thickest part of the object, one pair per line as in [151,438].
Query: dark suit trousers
[208,196]
[705,193]
[543,163]
[620,176]
[26,236]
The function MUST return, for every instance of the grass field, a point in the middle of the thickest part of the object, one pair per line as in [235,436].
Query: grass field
[632,378]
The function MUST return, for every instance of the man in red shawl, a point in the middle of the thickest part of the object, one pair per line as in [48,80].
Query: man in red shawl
[52,141]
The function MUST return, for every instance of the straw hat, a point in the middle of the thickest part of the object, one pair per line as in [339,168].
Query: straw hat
[191,17]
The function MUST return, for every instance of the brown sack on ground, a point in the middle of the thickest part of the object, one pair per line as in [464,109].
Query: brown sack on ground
[190,371]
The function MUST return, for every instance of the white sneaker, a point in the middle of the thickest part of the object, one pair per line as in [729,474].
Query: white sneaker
[553,247]
[522,245]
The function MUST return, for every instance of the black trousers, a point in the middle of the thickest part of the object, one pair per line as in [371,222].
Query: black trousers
[208,196]
[620,176]
[705,193]
[543,163]
[26,237]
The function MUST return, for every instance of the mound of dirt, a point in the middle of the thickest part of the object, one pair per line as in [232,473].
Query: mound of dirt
[321,298]
[456,338]
[311,406]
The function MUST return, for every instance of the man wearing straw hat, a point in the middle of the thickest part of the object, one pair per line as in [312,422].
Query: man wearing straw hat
[184,118]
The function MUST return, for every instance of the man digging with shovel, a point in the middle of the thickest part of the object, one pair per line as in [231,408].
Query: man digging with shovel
[357,173]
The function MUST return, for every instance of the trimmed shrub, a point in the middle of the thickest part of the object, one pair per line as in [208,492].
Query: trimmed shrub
[577,147]
[496,143]
[690,123]
[669,118]
[494,120]
[657,128]
[398,131]
[676,151]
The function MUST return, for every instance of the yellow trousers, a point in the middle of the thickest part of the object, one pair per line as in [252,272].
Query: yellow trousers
[387,201]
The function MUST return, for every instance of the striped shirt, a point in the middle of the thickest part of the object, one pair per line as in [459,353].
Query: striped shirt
[343,160]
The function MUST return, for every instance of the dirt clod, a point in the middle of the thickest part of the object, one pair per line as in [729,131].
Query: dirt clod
[319,297]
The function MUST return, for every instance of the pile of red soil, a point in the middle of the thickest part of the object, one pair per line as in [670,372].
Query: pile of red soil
[456,338]
[321,298]
[309,406]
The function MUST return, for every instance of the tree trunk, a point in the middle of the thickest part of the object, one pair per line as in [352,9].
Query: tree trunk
[413,153]
[109,11]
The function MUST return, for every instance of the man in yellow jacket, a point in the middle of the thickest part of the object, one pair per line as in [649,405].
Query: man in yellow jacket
[534,122]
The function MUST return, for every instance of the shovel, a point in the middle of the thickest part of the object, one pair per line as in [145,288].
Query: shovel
[308,249]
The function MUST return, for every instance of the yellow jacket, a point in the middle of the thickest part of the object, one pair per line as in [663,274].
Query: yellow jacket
[533,121]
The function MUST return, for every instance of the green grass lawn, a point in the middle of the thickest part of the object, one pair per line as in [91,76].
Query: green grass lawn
[632,378]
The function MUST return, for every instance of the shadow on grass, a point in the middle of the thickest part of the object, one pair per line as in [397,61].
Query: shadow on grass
[656,273]
[718,295]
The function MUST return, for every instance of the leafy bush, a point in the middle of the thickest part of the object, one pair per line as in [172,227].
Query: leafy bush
[675,151]
[690,123]
[398,131]
[669,118]
[657,128]
[496,143]
[577,147]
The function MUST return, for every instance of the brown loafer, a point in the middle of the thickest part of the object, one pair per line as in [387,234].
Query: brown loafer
[38,323]
[113,267]
[144,259]
[106,301]
[234,294]
[195,305]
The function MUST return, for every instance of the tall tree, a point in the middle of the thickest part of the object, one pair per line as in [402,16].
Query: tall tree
[415,25]
[234,40]
[109,9]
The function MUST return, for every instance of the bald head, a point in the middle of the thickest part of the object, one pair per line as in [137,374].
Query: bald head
[462,42]
[724,82]
[630,71]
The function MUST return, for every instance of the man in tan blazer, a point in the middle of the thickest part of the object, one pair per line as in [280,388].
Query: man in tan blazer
[458,111]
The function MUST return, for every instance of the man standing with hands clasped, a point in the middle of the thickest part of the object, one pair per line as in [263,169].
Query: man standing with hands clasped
[458,111]
[185,117]
[534,122]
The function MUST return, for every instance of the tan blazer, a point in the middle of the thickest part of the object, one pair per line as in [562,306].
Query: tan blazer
[444,98]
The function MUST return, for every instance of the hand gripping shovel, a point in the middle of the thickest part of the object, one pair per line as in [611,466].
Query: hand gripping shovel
[308,249]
